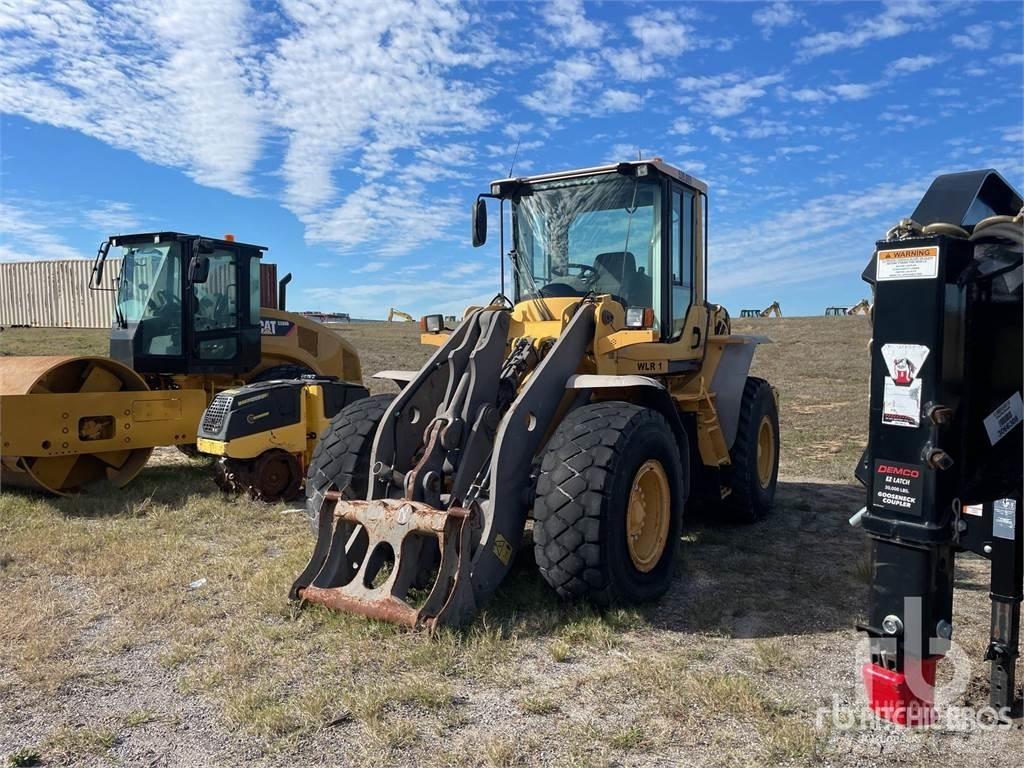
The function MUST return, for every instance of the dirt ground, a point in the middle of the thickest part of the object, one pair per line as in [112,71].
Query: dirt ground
[150,626]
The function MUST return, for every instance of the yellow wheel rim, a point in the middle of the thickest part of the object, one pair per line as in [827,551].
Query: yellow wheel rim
[648,515]
[765,452]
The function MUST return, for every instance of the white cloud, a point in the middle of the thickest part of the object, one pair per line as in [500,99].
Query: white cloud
[614,100]
[809,95]
[682,126]
[910,64]
[976,37]
[661,33]
[561,87]
[829,94]
[382,219]
[358,78]
[722,133]
[821,236]
[27,233]
[801,149]
[774,16]
[898,18]
[725,95]
[113,218]
[152,77]
[570,25]
[853,91]
[633,65]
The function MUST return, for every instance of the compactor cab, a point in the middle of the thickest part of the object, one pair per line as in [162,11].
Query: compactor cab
[185,304]
[602,399]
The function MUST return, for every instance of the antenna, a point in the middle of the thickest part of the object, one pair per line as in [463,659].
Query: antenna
[515,155]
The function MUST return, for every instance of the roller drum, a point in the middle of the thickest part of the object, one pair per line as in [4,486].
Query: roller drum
[65,471]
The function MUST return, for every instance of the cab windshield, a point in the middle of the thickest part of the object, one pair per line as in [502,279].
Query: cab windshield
[593,235]
[149,293]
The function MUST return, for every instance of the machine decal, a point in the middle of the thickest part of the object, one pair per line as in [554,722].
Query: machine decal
[975,510]
[1004,514]
[270,327]
[897,487]
[902,397]
[502,549]
[1004,418]
[651,366]
[908,263]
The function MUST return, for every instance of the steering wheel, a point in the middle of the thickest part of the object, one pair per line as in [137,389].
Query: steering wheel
[588,273]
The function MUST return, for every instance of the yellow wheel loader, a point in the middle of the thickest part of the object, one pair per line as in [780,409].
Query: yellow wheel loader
[188,323]
[603,400]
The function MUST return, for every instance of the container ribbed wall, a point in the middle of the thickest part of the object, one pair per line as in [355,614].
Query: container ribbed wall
[56,294]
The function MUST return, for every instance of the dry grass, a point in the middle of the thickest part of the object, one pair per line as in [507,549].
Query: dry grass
[110,655]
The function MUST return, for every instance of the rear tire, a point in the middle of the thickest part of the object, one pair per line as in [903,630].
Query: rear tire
[754,471]
[587,541]
[342,455]
[283,372]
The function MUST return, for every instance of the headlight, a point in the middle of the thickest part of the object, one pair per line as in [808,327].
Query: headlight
[432,323]
[639,317]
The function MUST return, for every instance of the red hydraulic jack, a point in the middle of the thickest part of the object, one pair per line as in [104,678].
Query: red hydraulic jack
[943,465]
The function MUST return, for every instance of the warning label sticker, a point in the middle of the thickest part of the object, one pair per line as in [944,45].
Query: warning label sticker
[1004,418]
[975,510]
[897,487]
[901,397]
[1004,518]
[908,263]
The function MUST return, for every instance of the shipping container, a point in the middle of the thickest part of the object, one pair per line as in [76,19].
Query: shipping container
[56,294]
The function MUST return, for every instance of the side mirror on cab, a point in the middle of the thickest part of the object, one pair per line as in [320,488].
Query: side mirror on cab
[479,222]
[199,265]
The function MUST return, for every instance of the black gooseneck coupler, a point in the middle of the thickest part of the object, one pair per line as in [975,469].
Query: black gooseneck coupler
[943,465]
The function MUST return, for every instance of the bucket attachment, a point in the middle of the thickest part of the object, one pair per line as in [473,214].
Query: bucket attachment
[451,458]
[404,534]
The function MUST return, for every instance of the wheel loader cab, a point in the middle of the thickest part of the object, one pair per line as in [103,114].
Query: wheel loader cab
[634,231]
[186,304]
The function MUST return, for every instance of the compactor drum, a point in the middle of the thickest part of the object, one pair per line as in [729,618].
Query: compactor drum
[187,324]
[602,400]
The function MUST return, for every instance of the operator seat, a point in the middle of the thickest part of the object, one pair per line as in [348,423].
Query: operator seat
[617,275]
[615,270]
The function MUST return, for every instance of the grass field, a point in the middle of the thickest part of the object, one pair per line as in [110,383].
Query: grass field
[150,626]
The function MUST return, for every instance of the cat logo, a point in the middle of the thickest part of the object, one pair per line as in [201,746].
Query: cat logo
[269,327]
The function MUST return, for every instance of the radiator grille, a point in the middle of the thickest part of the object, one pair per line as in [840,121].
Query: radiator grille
[213,419]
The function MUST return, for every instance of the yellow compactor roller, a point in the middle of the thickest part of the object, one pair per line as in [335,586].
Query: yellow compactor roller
[187,324]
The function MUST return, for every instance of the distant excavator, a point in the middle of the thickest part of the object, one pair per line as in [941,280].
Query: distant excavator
[863,307]
[393,313]
[771,310]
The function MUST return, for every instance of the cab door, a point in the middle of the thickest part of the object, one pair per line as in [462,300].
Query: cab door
[689,315]
[223,336]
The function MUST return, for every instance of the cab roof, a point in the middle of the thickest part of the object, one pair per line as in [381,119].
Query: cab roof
[163,237]
[656,163]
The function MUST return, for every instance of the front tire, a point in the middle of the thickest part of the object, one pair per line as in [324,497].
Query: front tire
[609,505]
[342,454]
[754,472]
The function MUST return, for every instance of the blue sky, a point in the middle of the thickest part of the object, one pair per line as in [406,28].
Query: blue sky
[352,137]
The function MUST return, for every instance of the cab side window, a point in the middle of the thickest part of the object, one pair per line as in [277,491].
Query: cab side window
[215,302]
[682,257]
